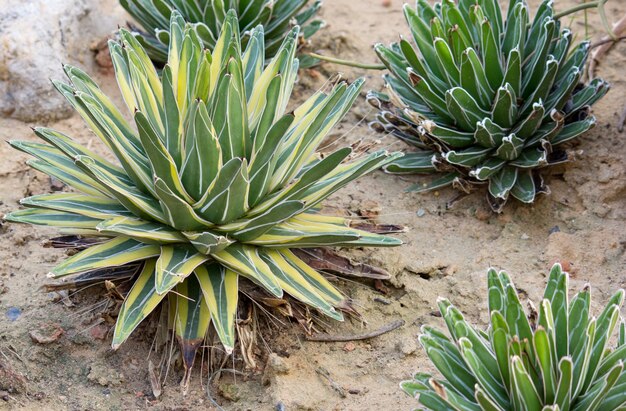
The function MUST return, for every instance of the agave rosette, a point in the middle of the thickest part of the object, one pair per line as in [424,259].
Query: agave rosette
[487,99]
[216,183]
[207,16]
[557,358]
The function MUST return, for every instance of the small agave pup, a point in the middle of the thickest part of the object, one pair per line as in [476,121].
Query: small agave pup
[556,359]
[218,182]
[207,16]
[487,100]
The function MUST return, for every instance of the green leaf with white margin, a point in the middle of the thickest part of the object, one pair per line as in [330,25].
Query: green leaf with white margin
[245,260]
[488,134]
[510,148]
[52,218]
[221,293]
[292,282]
[543,353]
[203,154]
[174,265]
[207,242]
[140,230]
[178,213]
[321,285]
[502,182]
[505,108]
[414,162]
[137,202]
[564,389]
[487,169]
[344,174]
[449,136]
[53,162]
[112,253]
[227,198]
[161,162]
[72,149]
[524,188]
[467,157]
[171,118]
[300,231]
[251,228]
[89,206]
[141,301]
[191,318]
[465,110]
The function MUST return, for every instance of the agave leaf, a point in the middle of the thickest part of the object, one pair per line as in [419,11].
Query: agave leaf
[112,253]
[464,109]
[100,208]
[207,242]
[488,168]
[245,260]
[501,183]
[140,230]
[504,112]
[227,198]
[134,200]
[203,153]
[524,386]
[191,319]
[573,130]
[61,167]
[178,213]
[511,147]
[292,281]
[524,188]
[174,265]
[488,134]
[531,158]
[467,157]
[221,292]
[141,301]
[415,162]
[53,218]
[444,181]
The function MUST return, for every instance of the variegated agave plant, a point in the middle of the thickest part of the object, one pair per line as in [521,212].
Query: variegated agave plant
[556,359]
[276,16]
[216,183]
[486,99]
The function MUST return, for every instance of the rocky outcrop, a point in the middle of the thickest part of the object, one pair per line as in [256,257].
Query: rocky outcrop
[36,37]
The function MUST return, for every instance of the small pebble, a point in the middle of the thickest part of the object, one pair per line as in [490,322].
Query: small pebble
[421,212]
[13,313]
[554,229]
[525,236]
[382,300]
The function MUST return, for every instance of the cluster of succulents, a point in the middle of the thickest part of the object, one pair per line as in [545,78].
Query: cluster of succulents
[486,99]
[277,17]
[556,357]
[214,180]
[217,182]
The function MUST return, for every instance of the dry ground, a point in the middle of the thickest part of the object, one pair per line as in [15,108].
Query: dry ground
[447,252]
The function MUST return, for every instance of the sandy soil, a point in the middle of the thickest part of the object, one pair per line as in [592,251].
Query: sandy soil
[447,251]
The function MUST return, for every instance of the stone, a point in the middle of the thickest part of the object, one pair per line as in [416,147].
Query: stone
[275,365]
[36,38]
[104,376]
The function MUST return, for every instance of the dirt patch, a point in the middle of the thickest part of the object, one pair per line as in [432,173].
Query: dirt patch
[447,251]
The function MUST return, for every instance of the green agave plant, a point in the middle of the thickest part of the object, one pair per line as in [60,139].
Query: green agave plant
[486,99]
[556,359]
[276,16]
[216,183]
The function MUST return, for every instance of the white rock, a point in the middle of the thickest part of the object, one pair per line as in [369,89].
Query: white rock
[36,37]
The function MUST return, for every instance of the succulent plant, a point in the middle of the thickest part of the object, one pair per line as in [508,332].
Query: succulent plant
[555,358]
[487,99]
[216,183]
[207,16]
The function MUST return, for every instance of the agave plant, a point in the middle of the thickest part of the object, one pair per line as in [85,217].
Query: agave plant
[216,183]
[486,99]
[276,16]
[558,358]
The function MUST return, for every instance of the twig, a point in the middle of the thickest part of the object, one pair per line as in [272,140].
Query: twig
[324,373]
[621,121]
[607,42]
[321,337]
[347,62]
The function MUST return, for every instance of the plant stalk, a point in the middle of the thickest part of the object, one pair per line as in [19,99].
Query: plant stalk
[347,62]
